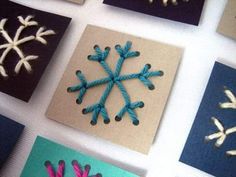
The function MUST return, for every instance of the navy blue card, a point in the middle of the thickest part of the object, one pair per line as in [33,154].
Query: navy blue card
[10,132]
[211,145]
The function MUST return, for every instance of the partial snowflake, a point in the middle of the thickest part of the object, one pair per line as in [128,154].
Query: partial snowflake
[223,133]
[114,78]
[78,170]
[165,2]
[232,100]
[13,44]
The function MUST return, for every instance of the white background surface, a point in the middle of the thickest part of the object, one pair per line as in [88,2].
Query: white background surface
[202,47]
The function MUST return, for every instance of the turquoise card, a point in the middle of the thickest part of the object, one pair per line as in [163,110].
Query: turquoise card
[49,159]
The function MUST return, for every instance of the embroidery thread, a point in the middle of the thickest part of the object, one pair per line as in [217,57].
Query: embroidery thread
[114,78]
[15,43]
[232,100]
[79,172]
[222,134]
[165,2]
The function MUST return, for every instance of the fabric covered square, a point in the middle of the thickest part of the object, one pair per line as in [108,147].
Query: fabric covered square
[28,39]
[211,145]
[10,132]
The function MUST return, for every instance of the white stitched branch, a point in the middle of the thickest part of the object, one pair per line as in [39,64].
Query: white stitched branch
[232,100]
[41,33]
[25,62]
[231,153]
[165,2]
[15,42]
[221,135]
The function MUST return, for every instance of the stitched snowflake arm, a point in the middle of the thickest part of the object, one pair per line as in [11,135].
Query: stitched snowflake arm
[113,78]
[15,42]
[99,108]
[79,172]
[165,2]
[231,153]
[60,169]
[221,135]
[232,100]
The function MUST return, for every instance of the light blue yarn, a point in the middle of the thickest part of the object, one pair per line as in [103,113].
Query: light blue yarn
[114,78]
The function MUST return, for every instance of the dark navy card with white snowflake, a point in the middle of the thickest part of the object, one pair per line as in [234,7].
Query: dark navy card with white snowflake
[28,39]
[211,145]
[185,11]
[10,132]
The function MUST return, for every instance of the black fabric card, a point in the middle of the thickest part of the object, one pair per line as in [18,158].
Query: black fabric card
[10,132]
[186,12]
[28,39]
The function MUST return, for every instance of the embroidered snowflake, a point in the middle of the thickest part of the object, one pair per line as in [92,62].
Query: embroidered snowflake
[79,172]
[165,2]
[222,133]
[13,44]
[114,78]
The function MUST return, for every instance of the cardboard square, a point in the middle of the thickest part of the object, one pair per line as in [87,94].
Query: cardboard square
[227,25]
[201,153]
[63,107]
[46,150]
[10,132]
[185,12]
[21,82]
[77,1]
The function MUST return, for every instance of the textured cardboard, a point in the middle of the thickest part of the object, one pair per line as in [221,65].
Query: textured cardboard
[63,107]
[227,25]
[77,1]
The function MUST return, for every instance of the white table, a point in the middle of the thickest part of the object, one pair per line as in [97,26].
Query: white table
[202,47]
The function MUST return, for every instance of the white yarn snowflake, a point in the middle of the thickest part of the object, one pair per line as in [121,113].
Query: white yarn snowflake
[15,43]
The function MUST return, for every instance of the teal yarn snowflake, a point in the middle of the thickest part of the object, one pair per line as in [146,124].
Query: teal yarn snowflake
[113,78]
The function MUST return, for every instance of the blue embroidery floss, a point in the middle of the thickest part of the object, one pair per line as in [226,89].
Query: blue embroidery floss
[114,78]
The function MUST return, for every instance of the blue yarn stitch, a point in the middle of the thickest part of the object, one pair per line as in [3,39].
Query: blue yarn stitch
[114,78]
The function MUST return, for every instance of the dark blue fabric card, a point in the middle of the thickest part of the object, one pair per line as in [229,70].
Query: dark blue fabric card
[200,152]
[10,132]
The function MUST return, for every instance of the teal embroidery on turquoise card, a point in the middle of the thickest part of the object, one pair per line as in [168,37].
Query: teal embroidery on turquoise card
[114,78]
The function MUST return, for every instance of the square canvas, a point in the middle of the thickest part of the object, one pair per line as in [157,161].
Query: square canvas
[10,132]
[211,145]
[116,87]
[48,158]
[28,39]
[185,11]
[227,25]
[77,1]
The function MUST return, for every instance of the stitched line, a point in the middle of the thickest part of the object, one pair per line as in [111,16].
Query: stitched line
[15,42]
[60,169]
[114,78]
[165,2]
[221,135]
[232,100]
[79,172]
